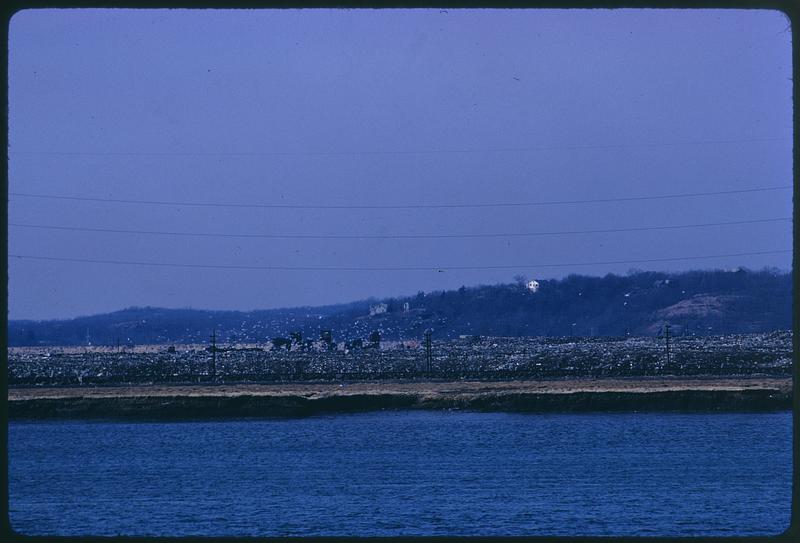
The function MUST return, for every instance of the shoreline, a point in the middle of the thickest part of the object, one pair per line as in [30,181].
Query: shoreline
[226,401]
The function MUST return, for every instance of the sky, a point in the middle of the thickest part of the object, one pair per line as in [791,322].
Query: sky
[156,157]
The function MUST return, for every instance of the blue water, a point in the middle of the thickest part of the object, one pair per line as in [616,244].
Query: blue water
[407,472]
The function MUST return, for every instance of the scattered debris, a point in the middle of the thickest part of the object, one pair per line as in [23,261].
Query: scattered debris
[481,357]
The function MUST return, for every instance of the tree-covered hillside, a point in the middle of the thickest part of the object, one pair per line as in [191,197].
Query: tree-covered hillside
[640,303]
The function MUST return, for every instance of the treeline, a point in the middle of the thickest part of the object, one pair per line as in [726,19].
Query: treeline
[639,303]
[696,302]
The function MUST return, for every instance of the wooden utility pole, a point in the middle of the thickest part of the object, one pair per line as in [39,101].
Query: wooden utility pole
[428,354]
[214,354]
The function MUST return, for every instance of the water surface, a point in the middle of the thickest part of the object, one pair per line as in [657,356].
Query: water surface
[406,473]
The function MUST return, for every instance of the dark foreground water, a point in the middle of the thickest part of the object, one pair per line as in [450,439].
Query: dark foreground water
[414,472]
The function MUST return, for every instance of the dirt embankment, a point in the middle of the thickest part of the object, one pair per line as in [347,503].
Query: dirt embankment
[303,399]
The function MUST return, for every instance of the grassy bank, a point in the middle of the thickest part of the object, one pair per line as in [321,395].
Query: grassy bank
[156,402]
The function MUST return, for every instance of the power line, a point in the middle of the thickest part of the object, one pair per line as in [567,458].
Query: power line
[403,151]
[400,206]
[397,236]
[394,268]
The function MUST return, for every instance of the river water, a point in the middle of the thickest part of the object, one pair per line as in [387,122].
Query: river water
[392,473]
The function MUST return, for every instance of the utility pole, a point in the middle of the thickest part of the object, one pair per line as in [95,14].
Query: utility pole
[428,355]
[666,336]
[214,354]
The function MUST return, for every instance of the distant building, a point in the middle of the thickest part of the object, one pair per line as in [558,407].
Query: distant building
[377,309]
[406,306]
[533,285]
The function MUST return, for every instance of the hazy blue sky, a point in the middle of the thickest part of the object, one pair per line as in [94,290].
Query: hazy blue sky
[380,108]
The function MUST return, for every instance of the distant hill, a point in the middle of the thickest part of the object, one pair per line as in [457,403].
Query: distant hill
[695,302]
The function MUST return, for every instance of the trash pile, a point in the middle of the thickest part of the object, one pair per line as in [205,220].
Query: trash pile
[468,357]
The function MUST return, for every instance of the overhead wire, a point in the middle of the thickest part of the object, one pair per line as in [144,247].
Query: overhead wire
[398,206]
[397,236]
[533,148]
[529,266]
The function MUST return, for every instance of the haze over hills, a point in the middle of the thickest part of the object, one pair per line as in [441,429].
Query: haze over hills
[640,303]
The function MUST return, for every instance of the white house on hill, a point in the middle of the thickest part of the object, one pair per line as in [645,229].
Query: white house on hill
[377,309]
